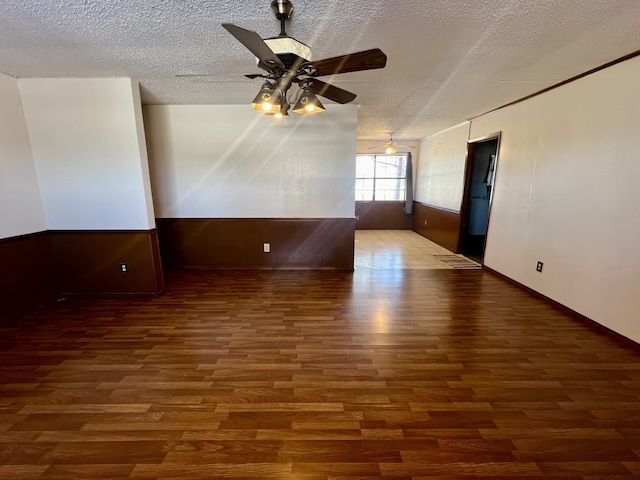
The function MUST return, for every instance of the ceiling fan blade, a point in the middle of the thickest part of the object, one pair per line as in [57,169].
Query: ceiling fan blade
[352,62]
[255,44]
[253,75]
[331,92]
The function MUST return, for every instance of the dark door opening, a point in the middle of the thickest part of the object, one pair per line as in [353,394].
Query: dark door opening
[482,157]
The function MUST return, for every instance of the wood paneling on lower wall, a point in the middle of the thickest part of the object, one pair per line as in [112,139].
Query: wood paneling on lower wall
[238,243]
[88,262]
[437,224]
[27,277]
[382,216]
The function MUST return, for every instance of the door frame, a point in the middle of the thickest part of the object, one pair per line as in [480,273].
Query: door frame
[465,206]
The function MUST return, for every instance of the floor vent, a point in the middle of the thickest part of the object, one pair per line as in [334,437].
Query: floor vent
[458,261]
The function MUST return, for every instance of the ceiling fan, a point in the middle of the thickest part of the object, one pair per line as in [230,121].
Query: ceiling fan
[286,61]
[391,146]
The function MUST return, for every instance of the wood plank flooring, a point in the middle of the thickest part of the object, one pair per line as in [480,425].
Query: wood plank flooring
[396,375]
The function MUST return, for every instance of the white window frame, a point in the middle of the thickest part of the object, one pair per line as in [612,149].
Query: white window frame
[401,179]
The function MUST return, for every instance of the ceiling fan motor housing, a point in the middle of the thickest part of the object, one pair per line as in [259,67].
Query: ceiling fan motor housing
[289,50]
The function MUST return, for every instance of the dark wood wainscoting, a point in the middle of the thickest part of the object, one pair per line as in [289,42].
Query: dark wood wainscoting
[27,277]
[89,262]
[437,224]
[239,243]
[382,216]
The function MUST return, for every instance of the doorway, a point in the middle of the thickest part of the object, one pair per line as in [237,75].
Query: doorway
[482,160]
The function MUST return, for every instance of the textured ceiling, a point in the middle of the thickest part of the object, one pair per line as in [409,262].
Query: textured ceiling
[448,61]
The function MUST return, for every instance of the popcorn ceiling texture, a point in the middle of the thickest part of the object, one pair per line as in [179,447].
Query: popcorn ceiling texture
[448,61]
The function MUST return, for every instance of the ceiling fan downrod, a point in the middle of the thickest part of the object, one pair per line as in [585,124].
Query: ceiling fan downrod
[283,10]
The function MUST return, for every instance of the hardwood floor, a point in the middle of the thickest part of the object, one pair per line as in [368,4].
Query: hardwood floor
[377,374]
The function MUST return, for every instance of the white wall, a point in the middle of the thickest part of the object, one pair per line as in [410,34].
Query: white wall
[440,172]
[86,142]
[142,154]
[227,161]
[21,209]
[567,193]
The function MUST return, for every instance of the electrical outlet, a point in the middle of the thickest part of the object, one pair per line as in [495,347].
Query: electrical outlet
[539,267]
[319,258]
[124,268]
[266,248]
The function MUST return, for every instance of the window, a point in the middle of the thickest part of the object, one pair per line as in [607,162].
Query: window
[381,178]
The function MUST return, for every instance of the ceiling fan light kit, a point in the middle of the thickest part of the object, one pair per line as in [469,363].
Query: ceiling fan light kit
[287,61]
[281,112]
[390,147]
[308,102]
[268,99]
